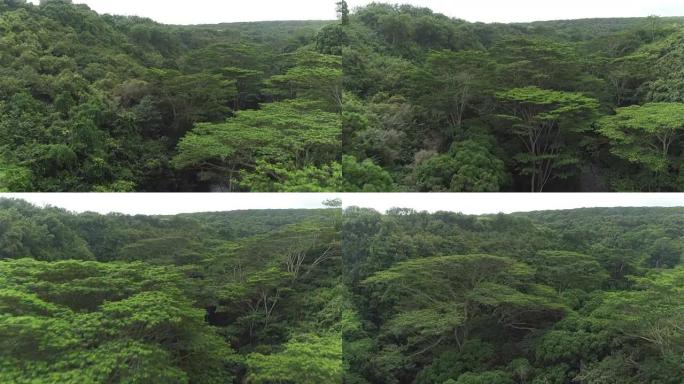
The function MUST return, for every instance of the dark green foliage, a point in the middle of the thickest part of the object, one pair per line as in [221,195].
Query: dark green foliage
[94,102]
[540,95]
[591,295]
[467,167]
[364,176]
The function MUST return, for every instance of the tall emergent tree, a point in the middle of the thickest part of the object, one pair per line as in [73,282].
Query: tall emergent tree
[546,121]
[343,12]
[441,298]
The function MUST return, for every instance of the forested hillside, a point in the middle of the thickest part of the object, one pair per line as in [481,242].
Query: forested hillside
[440,104]
[232,297]
[559,297]
[94,102]
[415,101]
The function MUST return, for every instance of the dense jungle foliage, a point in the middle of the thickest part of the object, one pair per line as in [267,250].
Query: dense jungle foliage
[590,296]
[94,102]
[388,98]
[434,103]
[231,297]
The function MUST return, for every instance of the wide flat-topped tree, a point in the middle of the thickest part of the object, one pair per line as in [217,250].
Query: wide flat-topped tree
[545,121]
[441,297]
[293,134]
[645,134]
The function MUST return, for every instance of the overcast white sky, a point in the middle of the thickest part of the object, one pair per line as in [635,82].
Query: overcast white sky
[483,203]
[172,203]
[217,11]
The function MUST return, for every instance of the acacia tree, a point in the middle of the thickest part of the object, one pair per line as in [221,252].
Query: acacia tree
[439,298]
[649,317]
[625,75]
[537,62]
[307,246]
[247,83]
[645,134]
[77,321]
[451,82]
[545,121]
[316,76]
[569,270]
[291,133]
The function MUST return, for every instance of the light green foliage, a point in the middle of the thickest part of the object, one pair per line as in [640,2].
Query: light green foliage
[295,132]
[652,313]
[315,76]
[645,134]
[172,299]
[561,106]
[666,83]
[14,178]
[306,359]
[545,121]
[425,323]
[163,250]
[93,322]
[536,60]
[196,97]
[274,178]
[647,318]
